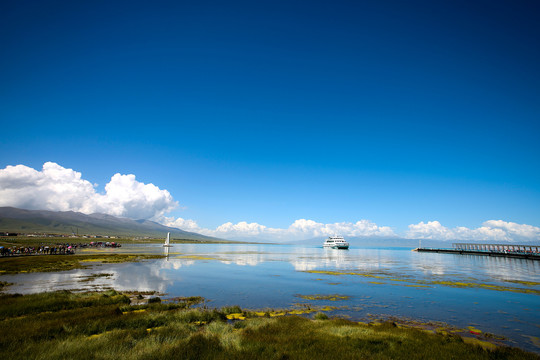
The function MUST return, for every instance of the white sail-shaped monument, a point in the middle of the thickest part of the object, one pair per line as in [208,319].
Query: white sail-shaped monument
[167,240]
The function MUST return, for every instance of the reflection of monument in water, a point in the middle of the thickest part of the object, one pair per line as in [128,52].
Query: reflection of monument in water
[167,245]
[166,252]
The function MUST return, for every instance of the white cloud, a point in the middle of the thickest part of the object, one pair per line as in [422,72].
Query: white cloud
[241,229]
[515,230]
[429,230]
[59,189]
[310,228]
[186,225]
[53,188]
[298,230]
[491,230]
[125,196]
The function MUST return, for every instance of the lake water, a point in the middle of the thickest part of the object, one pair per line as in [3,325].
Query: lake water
[496,295]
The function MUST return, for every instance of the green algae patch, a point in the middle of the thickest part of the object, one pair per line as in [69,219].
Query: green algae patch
[526,283]
[328,272]
[192,300]
[93,277]
[299,309]
[474,330]
[486,345]
[485,286]
[118,258]
[427,283]
[535,340]
[196,257]
[332,297]
[236,316]
[50,263]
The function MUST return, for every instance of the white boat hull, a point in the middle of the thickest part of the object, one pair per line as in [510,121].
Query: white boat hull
[336,242]
[341,247]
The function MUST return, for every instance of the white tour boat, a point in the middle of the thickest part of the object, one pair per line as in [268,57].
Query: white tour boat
[336,242]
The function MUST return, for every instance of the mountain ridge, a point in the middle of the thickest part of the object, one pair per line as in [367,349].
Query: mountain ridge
[67,222]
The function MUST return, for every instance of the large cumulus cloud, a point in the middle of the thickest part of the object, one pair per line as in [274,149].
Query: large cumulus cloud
[491,230]
[298,230]
[59,189]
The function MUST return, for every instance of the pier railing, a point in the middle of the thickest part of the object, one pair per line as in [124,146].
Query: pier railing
[531,252]
[498,248]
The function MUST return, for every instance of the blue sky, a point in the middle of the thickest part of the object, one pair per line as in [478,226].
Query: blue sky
[273,111]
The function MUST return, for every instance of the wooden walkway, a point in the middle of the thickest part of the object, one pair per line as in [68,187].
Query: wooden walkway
[518,255]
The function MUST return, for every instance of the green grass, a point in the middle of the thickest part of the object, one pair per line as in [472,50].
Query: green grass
[47,263]
[4,284]
[331,297]
[102,325]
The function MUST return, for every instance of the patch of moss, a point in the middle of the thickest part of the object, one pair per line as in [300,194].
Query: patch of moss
[49,263]
[332,297]
[196,257]
[92,277]
[485,286]
[427,283]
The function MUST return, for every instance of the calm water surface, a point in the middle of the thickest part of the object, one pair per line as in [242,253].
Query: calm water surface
[495,295]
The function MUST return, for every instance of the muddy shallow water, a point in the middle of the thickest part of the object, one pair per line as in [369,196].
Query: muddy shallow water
[494,295]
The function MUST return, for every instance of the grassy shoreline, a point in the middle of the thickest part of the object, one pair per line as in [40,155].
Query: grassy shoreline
[50,263]
[106,325]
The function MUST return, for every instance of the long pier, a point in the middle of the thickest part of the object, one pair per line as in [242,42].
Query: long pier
[501,250]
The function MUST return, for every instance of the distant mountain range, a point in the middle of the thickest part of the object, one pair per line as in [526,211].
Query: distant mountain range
[70,222]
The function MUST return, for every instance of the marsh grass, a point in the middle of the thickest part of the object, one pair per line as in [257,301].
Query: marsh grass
[65,325]
[331,297]
[528,286]
[48,263]
[4,284]
[93,277]
[320,316]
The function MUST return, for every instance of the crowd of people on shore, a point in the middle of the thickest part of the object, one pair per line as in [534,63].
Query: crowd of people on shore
[56,249]
[51,249]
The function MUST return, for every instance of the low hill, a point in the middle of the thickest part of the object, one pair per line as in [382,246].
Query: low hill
[69,222]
